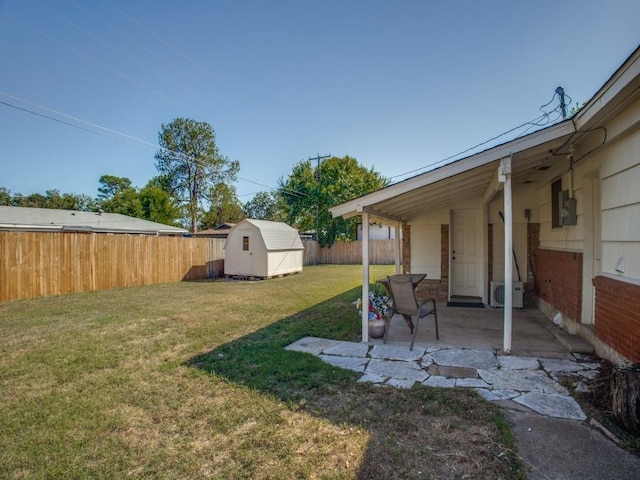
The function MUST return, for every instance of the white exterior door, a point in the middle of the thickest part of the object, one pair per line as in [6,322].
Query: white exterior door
[466,253]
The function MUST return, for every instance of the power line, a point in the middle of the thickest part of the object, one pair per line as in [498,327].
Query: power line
[116,135]
[90,58]
[46,116]
[290,191]
[76,119]
[129,38]
[158,37]
[533,123]
[127,56]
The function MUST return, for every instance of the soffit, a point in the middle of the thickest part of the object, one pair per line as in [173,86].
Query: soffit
[528,166]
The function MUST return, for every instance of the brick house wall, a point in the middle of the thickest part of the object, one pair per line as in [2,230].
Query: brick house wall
[533,242]
[559,280]
[617,316]
[406,247]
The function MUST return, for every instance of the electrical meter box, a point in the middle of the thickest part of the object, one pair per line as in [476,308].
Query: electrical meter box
[568,209]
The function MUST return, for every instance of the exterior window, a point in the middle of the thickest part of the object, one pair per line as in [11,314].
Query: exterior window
[556,188]
[245,244]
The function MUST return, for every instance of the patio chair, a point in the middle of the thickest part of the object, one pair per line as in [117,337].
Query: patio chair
[405,303]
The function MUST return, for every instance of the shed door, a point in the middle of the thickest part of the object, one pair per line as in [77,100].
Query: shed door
[466,257]
[245,260]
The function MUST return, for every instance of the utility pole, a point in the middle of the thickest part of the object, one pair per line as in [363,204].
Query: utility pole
[563,102]
[318,159]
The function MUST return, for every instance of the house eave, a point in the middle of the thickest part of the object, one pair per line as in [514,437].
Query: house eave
[622,88]
[358,205]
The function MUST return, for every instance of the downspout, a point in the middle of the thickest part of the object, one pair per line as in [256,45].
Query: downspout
[365,277]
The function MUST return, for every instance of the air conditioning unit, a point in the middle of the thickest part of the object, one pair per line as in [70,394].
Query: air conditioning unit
[497,294]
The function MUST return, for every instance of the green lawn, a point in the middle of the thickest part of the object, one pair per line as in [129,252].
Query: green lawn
[190,380]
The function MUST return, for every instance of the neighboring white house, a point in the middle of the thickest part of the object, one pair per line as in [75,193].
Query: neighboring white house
[378,232]
[565,199]
[260,248]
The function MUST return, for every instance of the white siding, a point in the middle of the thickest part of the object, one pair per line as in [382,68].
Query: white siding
[425,249]
[524,197]
[617,165]
[621,206]
[426,238]
[519,245]
[560,238]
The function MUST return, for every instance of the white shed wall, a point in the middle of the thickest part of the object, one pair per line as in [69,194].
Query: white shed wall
[258,261]
[284,262]
[240,262]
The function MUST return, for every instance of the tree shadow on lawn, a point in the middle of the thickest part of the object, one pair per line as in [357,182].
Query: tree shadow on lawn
[413,433]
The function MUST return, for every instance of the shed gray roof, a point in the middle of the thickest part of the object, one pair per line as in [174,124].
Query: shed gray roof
[276,235]
[48,219]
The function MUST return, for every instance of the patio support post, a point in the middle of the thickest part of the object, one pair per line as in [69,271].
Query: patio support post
[365,277]
[504,176]
[397,248]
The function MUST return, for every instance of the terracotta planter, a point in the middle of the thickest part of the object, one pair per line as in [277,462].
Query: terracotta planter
[377,328]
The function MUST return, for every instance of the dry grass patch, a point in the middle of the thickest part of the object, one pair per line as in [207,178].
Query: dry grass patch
[191,380]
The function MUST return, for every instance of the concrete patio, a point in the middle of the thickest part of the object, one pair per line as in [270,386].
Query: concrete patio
[555,439]
[482,329]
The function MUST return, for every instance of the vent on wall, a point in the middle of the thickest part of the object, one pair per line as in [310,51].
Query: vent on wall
[497,294]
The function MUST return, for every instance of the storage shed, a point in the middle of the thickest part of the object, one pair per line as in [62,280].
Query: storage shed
[260,248]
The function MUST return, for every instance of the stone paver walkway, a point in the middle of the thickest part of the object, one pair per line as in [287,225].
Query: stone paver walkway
[529,381]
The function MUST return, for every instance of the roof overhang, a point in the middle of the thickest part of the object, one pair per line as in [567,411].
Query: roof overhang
[474,177]
[622,89]
[468,178]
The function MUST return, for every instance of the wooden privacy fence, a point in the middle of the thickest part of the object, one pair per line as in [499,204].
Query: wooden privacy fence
[36,264]
[381,252]
[39,264]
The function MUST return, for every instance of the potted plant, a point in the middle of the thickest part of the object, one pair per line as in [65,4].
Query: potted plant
[380,309]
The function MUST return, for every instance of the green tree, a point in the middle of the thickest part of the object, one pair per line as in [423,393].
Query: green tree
[308,193]
[5,197]
[35,200]
[117,195]
[68,201]
[50,199]
[266,206]
[157,205]
[110,186]
[225,206]
[81,201]
[190,161]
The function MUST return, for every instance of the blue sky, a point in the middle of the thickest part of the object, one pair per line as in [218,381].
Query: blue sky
[398,85]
